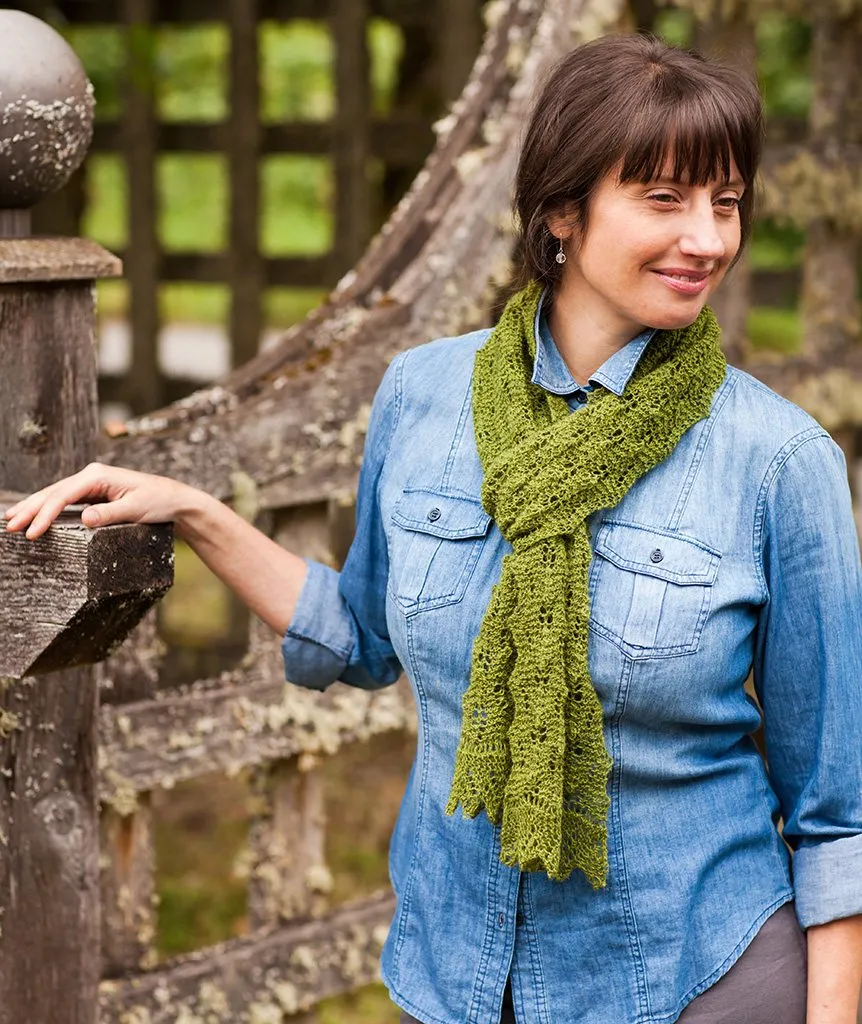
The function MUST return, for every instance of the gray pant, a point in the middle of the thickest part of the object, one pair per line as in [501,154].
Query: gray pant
[766,985]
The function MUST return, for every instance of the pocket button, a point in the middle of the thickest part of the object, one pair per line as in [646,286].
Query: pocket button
[657,555]
[434,515]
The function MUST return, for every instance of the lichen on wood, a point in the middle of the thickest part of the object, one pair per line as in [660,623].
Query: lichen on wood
[807,189]
[278,971]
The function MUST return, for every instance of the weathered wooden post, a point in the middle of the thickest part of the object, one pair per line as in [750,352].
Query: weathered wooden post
[67,598]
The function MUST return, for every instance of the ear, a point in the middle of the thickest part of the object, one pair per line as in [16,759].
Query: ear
[562,224]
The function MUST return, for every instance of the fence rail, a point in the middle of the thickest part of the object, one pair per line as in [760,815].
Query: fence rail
[281,437]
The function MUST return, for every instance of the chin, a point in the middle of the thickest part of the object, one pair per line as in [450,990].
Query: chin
[674,320]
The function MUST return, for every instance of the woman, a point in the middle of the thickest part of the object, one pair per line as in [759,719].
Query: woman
[592,470]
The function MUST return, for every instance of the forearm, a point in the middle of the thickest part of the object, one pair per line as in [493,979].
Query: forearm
[835,971]
[263,574]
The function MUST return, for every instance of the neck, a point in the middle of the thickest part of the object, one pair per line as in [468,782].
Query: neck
[585,335]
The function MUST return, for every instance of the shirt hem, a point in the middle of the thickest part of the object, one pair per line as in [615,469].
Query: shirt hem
[664,1018]
[719,972]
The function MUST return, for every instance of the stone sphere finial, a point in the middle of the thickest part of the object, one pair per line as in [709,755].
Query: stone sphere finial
[46,110]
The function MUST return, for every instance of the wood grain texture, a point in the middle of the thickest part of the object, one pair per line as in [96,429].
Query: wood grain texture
[238,720]
[273,973]
[72,596]
[49,874]
[55,259]
[49,851]
[288,878]
[48,416]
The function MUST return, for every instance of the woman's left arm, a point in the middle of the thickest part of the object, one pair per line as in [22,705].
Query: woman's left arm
[835,971]
[808,677]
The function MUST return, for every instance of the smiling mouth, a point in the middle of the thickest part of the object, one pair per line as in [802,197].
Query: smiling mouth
[687,284]
[693,278]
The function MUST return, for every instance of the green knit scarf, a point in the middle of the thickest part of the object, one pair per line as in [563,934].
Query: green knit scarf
[531,749]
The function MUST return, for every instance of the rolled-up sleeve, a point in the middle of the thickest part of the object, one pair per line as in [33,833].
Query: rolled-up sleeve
[808,672]
[338,630]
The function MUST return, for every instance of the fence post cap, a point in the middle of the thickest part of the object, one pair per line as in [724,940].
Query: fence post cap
[46,110]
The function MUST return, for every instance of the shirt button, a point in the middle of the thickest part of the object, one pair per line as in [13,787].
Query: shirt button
[657,555]
[434,514]
[501,920]
[580,395]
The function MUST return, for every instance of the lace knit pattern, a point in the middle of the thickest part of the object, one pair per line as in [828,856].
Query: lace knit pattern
[531,750]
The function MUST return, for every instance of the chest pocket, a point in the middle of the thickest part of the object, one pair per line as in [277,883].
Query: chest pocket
[651,589]
[434,544]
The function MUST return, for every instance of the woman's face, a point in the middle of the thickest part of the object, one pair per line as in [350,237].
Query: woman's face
[653,254]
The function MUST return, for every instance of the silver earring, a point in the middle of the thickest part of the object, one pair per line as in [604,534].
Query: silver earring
[561,256]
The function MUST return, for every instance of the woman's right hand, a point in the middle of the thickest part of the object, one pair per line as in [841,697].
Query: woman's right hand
[119,496]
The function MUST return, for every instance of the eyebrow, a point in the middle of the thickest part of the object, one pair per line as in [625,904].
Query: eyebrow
[735,183]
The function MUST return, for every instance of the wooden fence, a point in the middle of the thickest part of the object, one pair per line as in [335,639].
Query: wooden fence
[281,438]
[441,40]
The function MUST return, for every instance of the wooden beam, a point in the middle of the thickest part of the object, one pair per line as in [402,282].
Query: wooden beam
[262,977]
[127,879]
[351,142]
[244,718]
[172,12]
[458,38]
[49,850]
[25,260]
[288,877]
[143,255]
[68,599]
[830,305]
[401,139]
[246,272]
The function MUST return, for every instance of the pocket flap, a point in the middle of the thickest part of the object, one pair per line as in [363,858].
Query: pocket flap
[450,516]
[669,556]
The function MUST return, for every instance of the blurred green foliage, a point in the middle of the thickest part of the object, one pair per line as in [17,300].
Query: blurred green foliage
[190,85]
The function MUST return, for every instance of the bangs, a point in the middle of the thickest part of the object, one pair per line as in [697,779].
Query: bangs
[699,134]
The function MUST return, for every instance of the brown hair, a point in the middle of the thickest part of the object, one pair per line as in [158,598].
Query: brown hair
[629,101]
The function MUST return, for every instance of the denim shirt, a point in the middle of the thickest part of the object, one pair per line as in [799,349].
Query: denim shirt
[760,572]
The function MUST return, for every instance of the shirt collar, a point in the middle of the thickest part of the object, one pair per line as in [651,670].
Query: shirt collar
[551,373]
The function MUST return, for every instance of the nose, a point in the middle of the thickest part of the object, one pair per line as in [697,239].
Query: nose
[701,237]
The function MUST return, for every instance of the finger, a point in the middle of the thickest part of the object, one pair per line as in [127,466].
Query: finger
[40,509]
[22,514]
[109,512]
[40,512]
